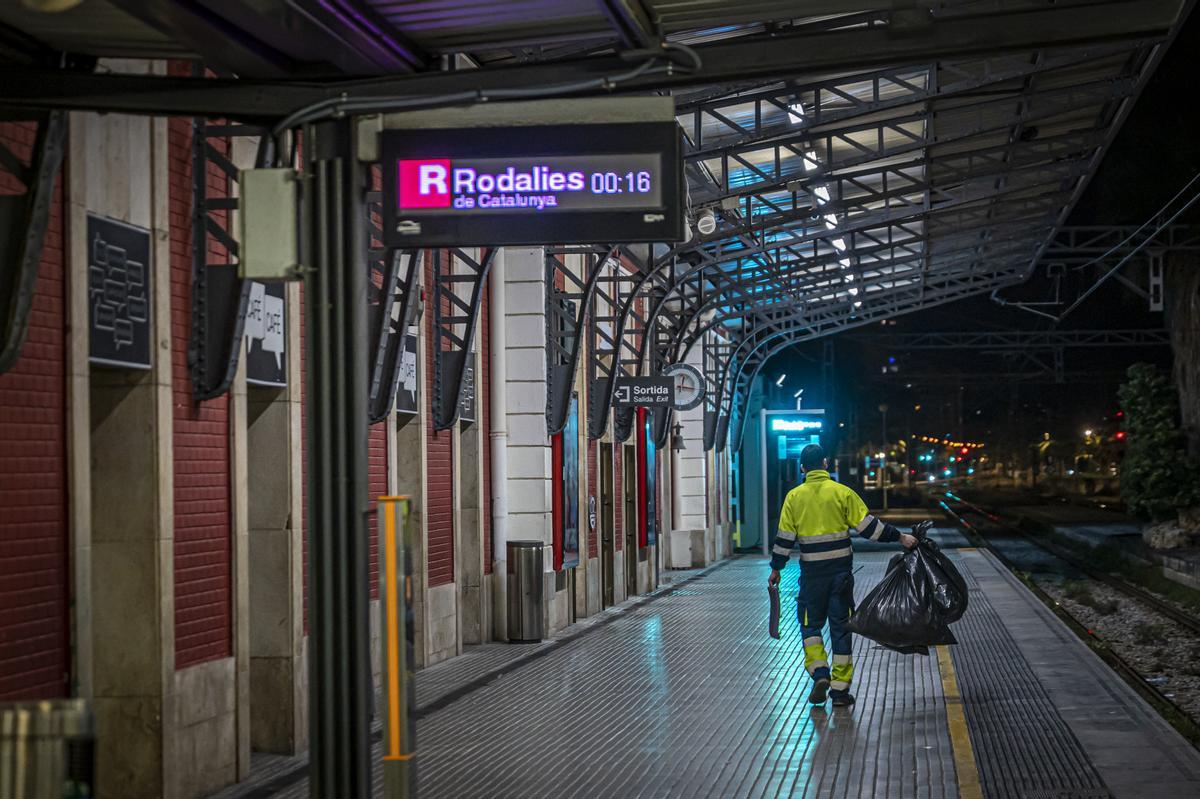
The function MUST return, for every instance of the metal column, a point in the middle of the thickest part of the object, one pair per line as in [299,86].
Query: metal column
[336,307]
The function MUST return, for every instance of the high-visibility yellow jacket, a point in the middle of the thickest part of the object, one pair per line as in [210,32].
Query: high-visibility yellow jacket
[817,518]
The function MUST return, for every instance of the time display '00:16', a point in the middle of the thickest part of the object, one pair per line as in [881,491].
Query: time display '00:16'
[616,183]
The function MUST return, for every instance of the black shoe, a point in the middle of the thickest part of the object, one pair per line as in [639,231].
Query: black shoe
[819,691]
[842,698]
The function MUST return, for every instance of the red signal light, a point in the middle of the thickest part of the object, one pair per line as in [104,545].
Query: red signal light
[1120,435]
[966,450]
[1120,414]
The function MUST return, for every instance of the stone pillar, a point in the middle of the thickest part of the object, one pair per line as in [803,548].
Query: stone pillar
[529,458]
[472,602]
[408,449]
[408,466]
[117,167]
[278,668]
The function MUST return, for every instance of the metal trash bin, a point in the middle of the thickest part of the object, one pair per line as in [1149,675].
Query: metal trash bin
[525,566]
[47,750]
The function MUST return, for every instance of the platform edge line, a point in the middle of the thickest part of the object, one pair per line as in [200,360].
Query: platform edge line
[966,770]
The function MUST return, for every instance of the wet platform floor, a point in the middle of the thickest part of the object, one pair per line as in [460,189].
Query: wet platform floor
[684,694]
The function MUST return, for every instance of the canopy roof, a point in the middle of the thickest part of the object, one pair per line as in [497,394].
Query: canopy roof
[867,159]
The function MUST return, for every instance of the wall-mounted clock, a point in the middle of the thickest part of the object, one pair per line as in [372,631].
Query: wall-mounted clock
[689,385]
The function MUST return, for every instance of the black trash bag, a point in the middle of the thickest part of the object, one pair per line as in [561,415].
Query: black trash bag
[949,587]
[911,607]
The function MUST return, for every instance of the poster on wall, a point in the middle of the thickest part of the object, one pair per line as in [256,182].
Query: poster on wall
[265,361]
[119,293]
[406,391]
[570,487]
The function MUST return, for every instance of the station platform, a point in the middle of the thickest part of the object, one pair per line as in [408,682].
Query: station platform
[683,693]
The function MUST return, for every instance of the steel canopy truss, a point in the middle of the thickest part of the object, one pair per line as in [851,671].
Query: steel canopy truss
[392,312]
[716,353]
[999,340]
[393,284]
[599,307]
[1086,243]
[772,332]
[913,185]
[864,151]
[836,39]
[458,282]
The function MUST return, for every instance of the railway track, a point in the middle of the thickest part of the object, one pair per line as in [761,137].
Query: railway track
[1167,609]
[1182,720]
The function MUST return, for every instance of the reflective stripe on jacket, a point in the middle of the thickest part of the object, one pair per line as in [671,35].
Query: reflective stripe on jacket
[817,518]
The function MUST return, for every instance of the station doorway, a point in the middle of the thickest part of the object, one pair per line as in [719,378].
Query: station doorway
[783,436]
[608,541]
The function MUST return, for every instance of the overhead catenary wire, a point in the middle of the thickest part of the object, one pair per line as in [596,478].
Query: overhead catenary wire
[1160,224]
[1191,201]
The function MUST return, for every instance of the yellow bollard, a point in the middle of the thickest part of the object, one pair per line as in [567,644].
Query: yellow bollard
[395,595]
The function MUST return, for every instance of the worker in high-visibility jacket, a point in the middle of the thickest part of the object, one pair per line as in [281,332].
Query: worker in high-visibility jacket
[817,518]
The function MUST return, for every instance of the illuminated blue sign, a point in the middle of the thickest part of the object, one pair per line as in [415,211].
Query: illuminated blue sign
[795,425]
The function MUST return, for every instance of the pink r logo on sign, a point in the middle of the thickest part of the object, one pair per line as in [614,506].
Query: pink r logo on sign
[424,184]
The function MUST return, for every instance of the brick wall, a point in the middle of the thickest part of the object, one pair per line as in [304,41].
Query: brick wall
[377,483]
[34,576]
[203,556]
[439,470]
[377,455]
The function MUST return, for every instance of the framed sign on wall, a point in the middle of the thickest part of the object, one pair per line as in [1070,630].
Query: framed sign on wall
[265,338]
[119,294]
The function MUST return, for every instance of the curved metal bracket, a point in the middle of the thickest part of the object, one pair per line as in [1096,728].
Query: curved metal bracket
[395,313]
[566,309]
[23,221]
[219,295]
[616,334]
[716,353]
[454,321]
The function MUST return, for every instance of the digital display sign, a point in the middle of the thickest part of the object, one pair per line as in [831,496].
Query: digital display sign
[518,185]
[542,184]
[794,425]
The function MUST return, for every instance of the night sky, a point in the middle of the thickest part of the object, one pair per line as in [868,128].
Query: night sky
[1155,153]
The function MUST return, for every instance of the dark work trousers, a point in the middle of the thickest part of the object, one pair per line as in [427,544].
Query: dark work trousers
[827,596]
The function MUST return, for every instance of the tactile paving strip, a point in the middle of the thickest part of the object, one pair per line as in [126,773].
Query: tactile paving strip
[1023,747]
